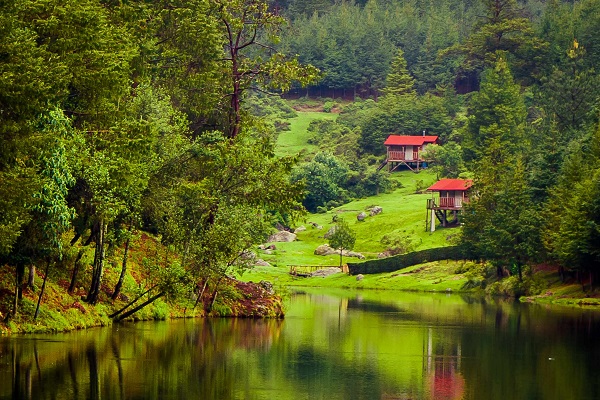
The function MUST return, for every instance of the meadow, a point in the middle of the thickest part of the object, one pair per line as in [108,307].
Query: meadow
[403,213]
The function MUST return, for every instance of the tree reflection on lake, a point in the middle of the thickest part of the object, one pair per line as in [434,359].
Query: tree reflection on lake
[347,345]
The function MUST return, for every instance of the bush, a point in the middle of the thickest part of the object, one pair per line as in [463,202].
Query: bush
[398,243]
[475,274]
[513,287]
[281,126]
[328,106]
[160,310]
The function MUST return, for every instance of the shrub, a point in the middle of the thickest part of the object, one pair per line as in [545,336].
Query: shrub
[398,243]
[160,310]
[328,106]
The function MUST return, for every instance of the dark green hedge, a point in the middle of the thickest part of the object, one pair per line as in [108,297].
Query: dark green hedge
[406,260]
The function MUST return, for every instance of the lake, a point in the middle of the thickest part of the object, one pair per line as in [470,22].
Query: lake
[333,345]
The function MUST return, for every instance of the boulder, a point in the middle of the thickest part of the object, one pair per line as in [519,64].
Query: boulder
[248,255]
[346,253]
[282,236]
[375,210]
[301,228]
[360,277]
[385,254]
[330,232]
[315,225]
[261,263]
[361,216]
[326,250]
[268,286]
[326,272]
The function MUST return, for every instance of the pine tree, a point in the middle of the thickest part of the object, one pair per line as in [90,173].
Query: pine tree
[497,117]
[501,224]
[399,81]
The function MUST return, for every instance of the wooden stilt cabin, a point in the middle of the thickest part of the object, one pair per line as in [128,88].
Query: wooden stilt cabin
[448,197]
[407,150]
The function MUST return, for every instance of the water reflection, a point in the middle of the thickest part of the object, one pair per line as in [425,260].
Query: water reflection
[369,345]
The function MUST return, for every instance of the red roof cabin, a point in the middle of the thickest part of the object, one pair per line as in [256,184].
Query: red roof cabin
[452,193]
[407,150]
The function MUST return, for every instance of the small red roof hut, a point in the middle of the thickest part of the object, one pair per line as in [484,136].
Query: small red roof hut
[407,150]
[452,194]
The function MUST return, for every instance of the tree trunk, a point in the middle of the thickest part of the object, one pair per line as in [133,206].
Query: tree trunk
[94,291]
[499,271]
[214,296]
[136,309]
[341,251]
[200,295]
[37,308]
[130,303]
[20,276]
[19,270]
[31,278]
[123,269]
[76,268]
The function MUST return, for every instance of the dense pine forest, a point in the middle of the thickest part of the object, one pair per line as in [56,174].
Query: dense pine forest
[161,116]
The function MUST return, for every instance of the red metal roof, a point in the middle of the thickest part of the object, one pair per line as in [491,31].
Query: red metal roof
[451,184]
[398,140]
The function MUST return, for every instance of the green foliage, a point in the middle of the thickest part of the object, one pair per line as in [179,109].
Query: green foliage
[399,243]
[328,106]
[270,106]
[572,231]
[495,130]
[504,32]
[398,80]
[446,160]
[342,238]
[515,287]
[569,93]
[476,274]
[324,178]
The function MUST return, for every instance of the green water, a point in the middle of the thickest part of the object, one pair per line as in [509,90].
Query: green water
[341,345]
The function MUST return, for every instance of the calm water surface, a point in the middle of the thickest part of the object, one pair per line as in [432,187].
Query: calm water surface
[342,345]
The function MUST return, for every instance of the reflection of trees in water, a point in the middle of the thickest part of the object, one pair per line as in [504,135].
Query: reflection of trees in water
[551,354]
[501,346]
[180,361]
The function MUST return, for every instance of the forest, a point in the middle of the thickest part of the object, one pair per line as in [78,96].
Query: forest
[161,116]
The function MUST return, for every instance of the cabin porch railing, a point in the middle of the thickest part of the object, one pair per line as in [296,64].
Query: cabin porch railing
[445,202]
[395,155]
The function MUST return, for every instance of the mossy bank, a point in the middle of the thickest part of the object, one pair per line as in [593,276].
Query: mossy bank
[541,284]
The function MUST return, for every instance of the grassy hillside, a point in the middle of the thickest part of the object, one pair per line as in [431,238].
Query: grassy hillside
[403,211]
[295,140]
[403,214]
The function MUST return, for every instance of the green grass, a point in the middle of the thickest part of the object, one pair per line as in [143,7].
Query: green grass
[429,277]
[295,140]
[403,212]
